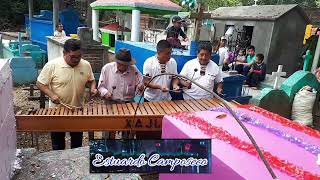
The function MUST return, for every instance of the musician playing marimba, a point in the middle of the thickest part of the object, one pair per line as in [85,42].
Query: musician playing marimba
[162,62]
[203,71]
[120,80]
[158,89]
[63,79]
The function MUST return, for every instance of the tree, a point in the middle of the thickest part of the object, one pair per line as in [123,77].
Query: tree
[12,12]
[213,4]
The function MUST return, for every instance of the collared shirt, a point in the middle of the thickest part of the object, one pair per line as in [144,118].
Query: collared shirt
[205,76]
[123,86]
[251,59]
[67,82]
[152,67]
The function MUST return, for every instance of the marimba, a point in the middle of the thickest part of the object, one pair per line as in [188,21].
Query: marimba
[100,117]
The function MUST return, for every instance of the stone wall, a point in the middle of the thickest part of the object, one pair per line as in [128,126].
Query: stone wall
[7,122]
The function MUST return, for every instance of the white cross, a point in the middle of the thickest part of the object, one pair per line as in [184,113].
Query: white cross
[255,2]
[277,76]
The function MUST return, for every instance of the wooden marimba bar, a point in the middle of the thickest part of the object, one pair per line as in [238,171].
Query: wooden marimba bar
[100,117]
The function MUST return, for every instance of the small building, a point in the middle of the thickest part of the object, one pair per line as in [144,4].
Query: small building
[277,31]
[137,8]
[113,32]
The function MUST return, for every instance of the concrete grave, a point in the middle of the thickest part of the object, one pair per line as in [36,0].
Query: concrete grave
[274,100]
[296,81]
[7,122]
[280,100]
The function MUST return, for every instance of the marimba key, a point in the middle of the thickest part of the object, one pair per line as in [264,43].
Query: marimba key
[109,117]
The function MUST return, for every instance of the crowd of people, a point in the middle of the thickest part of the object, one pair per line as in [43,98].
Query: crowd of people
[64,81]
[244,60]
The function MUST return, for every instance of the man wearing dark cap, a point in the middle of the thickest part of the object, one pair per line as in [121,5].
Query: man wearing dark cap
[175,31]
[120,80]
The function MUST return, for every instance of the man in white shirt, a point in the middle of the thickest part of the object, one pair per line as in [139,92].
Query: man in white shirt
[223,52]
[203,71]
[59,32]
[158,89]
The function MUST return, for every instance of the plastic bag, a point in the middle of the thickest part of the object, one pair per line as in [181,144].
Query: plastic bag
[302,106]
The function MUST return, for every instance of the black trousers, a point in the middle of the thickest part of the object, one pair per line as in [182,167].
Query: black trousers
[254,79]
[239,68]
[246,70]
[58,140]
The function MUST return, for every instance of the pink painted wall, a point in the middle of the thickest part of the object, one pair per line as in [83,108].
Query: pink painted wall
[7,122]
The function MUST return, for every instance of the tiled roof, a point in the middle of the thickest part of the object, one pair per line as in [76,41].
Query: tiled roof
[115,27]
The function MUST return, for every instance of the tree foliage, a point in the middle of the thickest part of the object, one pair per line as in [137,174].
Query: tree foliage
[12,12]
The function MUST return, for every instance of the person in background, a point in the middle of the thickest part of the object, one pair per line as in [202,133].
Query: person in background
[64,79]
[203,71]
[59,32]
[215,52]
[251,57]
[257,72]
[232,56]
[119,82]
[240,60]
[317,74]
[223,53]
[174,32]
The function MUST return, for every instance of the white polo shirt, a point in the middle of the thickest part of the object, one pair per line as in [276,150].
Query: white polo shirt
[212,75]
[152,68]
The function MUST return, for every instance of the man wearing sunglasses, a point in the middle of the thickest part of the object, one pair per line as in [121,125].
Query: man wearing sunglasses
[64,79]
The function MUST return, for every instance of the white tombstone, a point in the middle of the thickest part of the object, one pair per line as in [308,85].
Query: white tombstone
[277,75]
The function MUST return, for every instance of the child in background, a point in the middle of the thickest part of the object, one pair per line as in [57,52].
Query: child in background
[59,32]
[257,73]
[240,59]
[249,60]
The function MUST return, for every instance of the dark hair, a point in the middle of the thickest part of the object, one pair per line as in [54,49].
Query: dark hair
[204,46]
[72,45]
[224,40]
[243,51]
[162,45]
[59,24]
[260,56]
[251,47]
